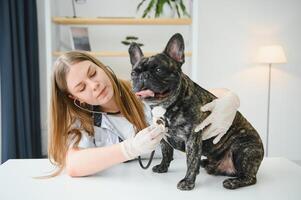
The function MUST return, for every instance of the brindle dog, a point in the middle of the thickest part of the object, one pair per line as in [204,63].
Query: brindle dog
[159,81]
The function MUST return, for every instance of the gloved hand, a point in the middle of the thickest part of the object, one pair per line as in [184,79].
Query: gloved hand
[223,111]
[145,141]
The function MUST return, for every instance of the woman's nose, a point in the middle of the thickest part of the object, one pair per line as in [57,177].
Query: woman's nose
[94,85]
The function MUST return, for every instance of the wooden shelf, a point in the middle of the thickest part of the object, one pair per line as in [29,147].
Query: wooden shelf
[115,53]
[121,21]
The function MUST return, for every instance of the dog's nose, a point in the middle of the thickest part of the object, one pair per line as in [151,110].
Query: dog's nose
[145,75]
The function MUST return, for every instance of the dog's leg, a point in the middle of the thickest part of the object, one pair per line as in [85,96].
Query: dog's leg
[247,160]
[211,168]
[209,165]
[193,157]
[224,166]
[167,153]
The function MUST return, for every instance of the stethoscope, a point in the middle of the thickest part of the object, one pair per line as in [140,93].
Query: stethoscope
[115,113]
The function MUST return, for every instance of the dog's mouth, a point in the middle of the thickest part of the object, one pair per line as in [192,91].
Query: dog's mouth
[148,94]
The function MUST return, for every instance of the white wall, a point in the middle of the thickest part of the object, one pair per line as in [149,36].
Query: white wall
[229,34]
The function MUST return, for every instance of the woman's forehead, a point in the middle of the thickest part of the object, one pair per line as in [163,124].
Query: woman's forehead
[81,65]
[77,72]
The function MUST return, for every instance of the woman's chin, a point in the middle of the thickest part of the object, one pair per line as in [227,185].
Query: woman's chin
[106,99]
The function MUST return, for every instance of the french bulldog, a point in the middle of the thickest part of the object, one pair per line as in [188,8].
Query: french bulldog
[159,81]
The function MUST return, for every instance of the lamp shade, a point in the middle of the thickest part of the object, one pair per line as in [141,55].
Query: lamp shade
[271,54]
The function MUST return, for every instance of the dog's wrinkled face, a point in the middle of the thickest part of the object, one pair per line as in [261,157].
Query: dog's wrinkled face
[155,78]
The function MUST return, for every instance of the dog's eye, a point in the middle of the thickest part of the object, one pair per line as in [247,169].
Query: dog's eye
[133,73]
[158,69]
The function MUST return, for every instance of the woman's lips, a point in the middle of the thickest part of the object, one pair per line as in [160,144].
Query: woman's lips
[102,91]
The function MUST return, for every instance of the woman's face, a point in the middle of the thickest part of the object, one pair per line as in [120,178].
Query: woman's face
[89,83]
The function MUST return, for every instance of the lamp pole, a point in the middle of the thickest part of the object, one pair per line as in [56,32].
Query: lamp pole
[271,54]
[268,112]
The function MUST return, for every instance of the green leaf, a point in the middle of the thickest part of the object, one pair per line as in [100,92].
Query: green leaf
[157,9]
[131,37]
[140,4]
[148,8]
[178,12]
[183,8]
[125,42]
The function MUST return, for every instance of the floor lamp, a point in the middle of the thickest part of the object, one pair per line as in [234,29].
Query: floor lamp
[273,54]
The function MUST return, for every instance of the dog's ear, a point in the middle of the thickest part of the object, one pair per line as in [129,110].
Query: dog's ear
[175,48]
[135,53]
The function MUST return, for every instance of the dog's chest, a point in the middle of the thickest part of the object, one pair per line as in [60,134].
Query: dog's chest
[179,129]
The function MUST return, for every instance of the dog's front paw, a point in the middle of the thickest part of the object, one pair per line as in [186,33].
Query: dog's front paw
[231,183]
[160,169]
[185,184]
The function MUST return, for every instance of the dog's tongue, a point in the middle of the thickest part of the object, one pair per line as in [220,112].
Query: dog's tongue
[145,93]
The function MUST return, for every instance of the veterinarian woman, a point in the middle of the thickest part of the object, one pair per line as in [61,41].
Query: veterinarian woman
[95,116]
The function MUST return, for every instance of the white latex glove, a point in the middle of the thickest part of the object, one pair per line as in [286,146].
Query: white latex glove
[145,141]
[159,119]
[223,111]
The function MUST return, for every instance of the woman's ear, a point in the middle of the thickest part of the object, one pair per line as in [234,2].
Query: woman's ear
[74,98]
[71,96]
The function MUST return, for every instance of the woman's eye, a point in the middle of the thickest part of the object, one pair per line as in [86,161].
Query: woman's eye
[82,88]
[93,74]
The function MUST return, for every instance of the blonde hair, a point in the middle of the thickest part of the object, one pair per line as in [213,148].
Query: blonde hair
[63,112]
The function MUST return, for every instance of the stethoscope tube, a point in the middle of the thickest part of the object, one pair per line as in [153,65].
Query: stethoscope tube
[157,121]
[149,161]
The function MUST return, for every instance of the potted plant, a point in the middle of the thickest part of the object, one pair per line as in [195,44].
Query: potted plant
[130,39]
[160,6]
